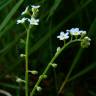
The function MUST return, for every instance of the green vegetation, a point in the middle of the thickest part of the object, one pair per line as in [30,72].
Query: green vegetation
[76,66]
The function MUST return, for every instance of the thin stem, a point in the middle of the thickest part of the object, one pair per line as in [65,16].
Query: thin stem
[25,26]
[26,60]
[64,42]
[49,65]
[71,37]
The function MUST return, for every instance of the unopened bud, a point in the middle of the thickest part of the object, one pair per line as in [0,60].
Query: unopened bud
[85,42]
[43,76]
[38,88]
[34,72]
[19,80]
[54,65]
[22,55]
[58,49]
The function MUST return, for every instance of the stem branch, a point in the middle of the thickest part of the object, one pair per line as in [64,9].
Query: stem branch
[49,65]
[26,60]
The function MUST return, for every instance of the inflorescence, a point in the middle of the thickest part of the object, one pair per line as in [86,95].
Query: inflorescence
[78,34]
[74,34]
[32,20]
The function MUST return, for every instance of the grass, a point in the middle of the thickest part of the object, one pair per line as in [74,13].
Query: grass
[55,16]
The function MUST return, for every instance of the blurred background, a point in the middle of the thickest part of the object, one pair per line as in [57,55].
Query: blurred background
[55,16]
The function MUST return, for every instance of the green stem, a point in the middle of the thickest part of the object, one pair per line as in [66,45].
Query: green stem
[49,65]
[26,60]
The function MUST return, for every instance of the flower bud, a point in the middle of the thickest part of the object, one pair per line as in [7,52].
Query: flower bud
[54,65]
[34,72]
[19,80]
[25,11]
[38,88]
[85,43]
[35,10]
[58,49]
[43,76]
[22,55]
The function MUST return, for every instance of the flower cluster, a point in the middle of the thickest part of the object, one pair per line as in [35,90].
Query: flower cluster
[32,20]
[85,40]
[76,32]
[72,32]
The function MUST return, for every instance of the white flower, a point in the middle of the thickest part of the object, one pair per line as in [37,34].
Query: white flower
[82,32]
[74,31]
[33,21]
[22,20]
[63,36]
[35,7]
[25,11]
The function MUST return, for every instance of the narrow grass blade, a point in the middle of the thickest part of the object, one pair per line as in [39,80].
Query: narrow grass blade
[84,71]
[9,16]
[92,93]
[9,85]
[5,4]
[2,2]
[54,7]
[7,28]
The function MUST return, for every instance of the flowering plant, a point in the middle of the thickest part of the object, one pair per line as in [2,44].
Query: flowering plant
[73,35]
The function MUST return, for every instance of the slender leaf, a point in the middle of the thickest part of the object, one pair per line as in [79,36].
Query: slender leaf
[5,4]
[9,16]
[84,71]
[92,93]
[54,7]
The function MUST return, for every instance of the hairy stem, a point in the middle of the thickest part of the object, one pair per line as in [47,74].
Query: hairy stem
[49,65]
[26,60]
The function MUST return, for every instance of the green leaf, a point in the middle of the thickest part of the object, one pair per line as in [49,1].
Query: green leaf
[92,93]
[4,4]
[9,16]
[54,7]
[84,71]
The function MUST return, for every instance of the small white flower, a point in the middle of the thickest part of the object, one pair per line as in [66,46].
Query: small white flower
[63,36]
[36,7]
[58,49]
[33,21]
[22,20]
[82,32]
[25,11]
[74,31]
